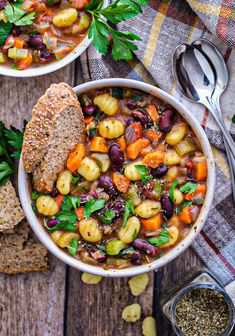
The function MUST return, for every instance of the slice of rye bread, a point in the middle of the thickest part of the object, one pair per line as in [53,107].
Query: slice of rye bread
[56,127]
[11,212]
[19,255]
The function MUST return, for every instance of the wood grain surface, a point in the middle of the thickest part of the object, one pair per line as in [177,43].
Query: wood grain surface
[57,302]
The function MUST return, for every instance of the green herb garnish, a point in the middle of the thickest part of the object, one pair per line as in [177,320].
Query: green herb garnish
[5,29]
[35,195]
[71,202]
[92,206]
[72,249]
[75,180]
[144,171]
[107,217]
[16,15]
[189,187]
[180,208]
[120,10]
[15,140]
[172,189]
[134,235]
[67,220]
[129,209]
[161,239]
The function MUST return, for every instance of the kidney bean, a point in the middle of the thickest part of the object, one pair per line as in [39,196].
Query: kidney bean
[96,254]
[54,191]
[36,42]
[106,183]
[52,222]
[129,121]
[130,253]
[142,116]
[137,262]
[131,104]
[45,56]
[89,110]
[160,171]
[116,156]
[143,245]
[165,120]
[118,207]
[167,206]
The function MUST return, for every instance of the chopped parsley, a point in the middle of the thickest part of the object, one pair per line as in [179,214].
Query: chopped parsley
[71,202]
[180,208]
[144,173]
[129,209]
[107,217]
[35,195]
[92,206]
[189,187]
[161,239]
[72,249]
[172,189]
[75,180]
[16,15]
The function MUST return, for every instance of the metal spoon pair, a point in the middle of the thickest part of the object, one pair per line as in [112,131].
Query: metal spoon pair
[202,76]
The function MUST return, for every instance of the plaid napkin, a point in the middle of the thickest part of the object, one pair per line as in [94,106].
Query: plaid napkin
[162,26]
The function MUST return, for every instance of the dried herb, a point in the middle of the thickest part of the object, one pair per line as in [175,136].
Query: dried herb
[202,312]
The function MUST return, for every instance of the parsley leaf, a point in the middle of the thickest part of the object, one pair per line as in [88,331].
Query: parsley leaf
[16,15]
[144,171]
[107,217]
[5,172]
[134,235]
[72,249]
[70,202]
[5,29]
[161,239]
[180,208]
[35,195]
[129,209]
[15,139]
[119,11]
[189,187]
[75,180]
[67,220]
[93,205]
[172,189]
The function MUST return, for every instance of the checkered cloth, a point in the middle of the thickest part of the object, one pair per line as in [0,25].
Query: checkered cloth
[162,26]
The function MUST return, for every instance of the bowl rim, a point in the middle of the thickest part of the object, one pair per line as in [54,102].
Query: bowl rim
[44,237]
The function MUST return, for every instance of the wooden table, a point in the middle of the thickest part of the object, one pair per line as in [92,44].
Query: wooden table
[57,302]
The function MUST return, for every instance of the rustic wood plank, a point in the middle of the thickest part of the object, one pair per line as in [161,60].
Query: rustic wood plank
[31,304]
[167,277]
[97,309]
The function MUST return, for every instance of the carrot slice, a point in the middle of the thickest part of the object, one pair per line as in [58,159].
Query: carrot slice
[122,143]
[200,189]
[153,223]
[201,171]
[152,135]
[25,63]
[18,42]
[153,112]
[59,199]
[121,182]
[79,213]
[153,159]
[185,215]
[88,120]
[75,157]
[134,149]
[98,144]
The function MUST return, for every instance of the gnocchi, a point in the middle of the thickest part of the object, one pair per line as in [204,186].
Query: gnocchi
[65,18]
[56,235]
[90,230]
[131,313]
[172,174]
[89,169]
[47,206]
[178,196]
[131,172]
[65,239]
[138,284]
[102,160]
[173,236]
[91,279]
[171,158]
[107,104]
[63,182]
[176,134]
[111,128]
[147,209]
[149,327]
[128,233]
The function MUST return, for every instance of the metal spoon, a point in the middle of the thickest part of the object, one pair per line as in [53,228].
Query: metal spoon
[218,62]
[197,82]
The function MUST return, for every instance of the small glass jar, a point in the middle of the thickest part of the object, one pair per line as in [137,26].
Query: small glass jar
[214,287]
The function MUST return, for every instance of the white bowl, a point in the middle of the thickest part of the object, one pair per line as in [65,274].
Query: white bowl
[50,67]
[24,188]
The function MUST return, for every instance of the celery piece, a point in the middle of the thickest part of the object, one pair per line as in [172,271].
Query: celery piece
[113,247]
[2,58]
[16,53]
[185,147]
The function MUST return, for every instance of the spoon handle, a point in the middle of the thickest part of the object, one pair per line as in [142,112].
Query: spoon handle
[231,159]
[215,110]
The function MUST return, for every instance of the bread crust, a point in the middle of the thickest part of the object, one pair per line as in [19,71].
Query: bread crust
[39,130]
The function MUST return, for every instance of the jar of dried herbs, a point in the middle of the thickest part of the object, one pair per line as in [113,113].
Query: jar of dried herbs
[202,309]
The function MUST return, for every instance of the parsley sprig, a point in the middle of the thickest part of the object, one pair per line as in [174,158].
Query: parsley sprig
[161,239]
[189,187]
[107,217]
[120,10]
[10,147]
[129,209]
[16,15]
[72,249]
[144,173]
[93,205]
